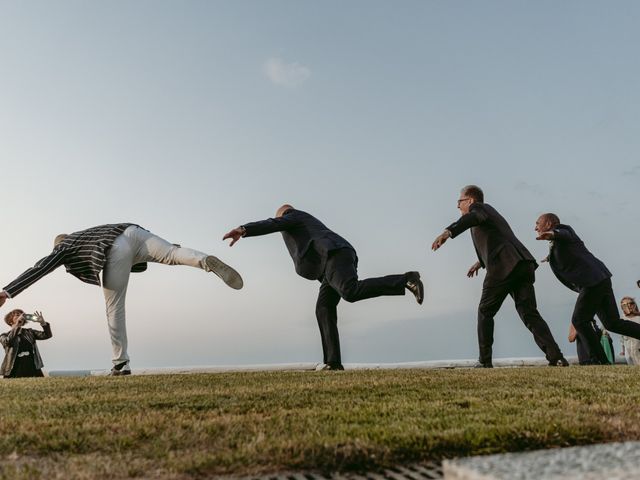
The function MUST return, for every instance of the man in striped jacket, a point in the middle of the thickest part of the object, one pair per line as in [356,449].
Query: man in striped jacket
[116,250]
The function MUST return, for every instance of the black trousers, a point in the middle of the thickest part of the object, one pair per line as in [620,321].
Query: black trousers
[519,285]
[590,354]
[340,280]
[599,300]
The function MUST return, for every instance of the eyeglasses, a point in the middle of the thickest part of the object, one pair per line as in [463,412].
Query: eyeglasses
[460,200]
[626,304]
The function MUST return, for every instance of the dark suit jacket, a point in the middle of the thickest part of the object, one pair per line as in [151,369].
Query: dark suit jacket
[308,240]
[498,249]
[572,263]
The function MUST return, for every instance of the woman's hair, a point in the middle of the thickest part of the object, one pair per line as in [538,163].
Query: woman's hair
[9,316]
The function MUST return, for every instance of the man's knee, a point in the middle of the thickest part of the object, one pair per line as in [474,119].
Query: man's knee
[487,310]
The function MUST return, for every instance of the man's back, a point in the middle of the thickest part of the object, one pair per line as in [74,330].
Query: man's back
[308,240]
[572,262]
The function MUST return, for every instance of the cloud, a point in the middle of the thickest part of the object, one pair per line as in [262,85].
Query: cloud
[537,190]
[635,170]
[286,74]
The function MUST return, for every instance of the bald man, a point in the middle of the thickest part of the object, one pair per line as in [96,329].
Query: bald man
[578,269]
[320,254]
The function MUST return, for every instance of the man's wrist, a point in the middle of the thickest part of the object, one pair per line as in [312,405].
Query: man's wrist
[243,230]
[6,293]
[447,232]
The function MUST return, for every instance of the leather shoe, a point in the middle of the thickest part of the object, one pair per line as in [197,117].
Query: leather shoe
[415,286]
[483,365]
[561,362]
[329,366]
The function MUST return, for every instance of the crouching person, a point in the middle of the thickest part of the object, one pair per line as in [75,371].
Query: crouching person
[22,358]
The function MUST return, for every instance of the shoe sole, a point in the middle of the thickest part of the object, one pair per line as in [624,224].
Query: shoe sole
[225,272]
[424,290]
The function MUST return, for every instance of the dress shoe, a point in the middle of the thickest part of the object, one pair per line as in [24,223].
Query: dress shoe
[483,365]
[328,366]
[415,286]
[225,272]
[120,369]
[561,362]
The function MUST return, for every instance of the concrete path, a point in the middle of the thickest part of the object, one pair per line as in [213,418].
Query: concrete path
[609,461]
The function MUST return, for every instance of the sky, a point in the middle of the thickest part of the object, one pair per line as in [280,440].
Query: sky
[190,118]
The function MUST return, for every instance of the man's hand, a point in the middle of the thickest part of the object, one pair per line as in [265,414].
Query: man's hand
[473,271]
[235,235]
[39,317]
[440,239]
[3,297]
[545,259]
[573,333]
[545,236]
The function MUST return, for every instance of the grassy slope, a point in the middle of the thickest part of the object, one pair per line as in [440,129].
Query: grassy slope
[188,426]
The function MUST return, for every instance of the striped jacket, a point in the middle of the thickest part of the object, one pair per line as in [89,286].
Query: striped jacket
[83,254]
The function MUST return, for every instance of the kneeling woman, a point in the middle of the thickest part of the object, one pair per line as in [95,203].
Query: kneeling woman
[22,358]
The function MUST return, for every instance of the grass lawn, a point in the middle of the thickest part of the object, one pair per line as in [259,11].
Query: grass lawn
[194,426]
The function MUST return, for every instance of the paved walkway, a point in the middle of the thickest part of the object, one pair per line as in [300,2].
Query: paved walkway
[609,461]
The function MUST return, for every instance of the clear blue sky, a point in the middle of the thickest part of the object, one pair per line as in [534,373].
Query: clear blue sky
[192,117]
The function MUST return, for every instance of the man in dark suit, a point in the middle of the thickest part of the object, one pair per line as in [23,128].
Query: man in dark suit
[510,271]
[320,254]
[578,269]
[116,250]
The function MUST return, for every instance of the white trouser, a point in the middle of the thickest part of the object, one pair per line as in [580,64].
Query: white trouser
[136,245]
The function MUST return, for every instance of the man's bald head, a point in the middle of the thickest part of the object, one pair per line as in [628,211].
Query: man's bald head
[550,218]
[283,209]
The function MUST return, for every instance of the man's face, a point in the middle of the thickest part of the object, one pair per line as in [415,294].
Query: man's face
[464,203]
[629,306]
[542,225]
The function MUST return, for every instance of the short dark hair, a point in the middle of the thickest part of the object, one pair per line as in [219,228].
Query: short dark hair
[551,217]
[474,192]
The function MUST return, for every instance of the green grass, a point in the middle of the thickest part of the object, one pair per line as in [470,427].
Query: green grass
[194,426]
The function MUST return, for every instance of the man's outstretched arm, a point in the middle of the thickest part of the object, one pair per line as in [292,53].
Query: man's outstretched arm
[466,221]
[32,275]
[263,227]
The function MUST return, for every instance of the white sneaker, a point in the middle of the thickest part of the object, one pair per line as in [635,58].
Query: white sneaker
[225,272]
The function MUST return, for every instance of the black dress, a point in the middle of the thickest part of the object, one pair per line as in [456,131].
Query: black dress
[24,365]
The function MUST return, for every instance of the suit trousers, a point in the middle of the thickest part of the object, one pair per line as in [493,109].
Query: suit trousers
[599,300]
[136,245]
[519,285]
[340,280]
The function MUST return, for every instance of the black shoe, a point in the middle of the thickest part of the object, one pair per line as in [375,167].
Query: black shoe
[483,365]
[120,369]
[561,362]
[329,366]
[415,286]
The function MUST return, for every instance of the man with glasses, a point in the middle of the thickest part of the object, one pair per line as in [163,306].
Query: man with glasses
[578,269]
[510,271]
[630,346]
